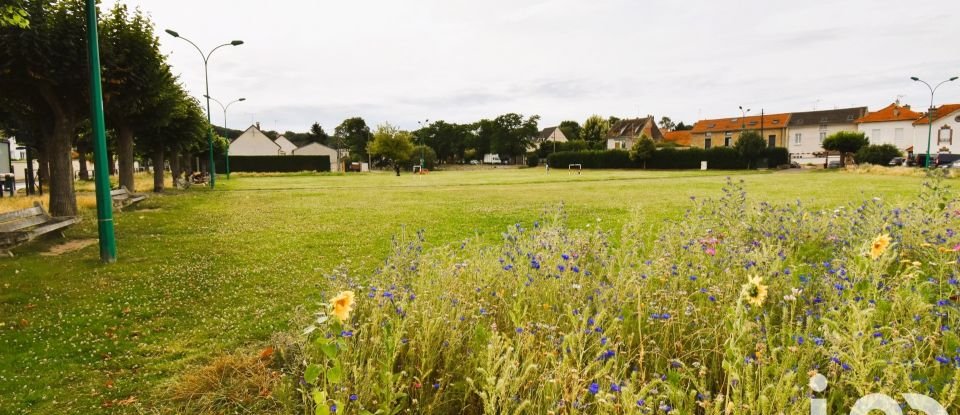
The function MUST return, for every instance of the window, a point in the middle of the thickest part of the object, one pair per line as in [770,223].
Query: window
[875,135]
[797,139]
[898,136]
[771,141]
[799,121]
[728,139]
[823,135]
[945,135]
[707,141]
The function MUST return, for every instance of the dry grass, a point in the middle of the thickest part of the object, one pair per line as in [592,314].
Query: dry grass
[9,204]
[897,171]
[233,383]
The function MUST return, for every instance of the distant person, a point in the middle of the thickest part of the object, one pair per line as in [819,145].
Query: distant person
[396,168]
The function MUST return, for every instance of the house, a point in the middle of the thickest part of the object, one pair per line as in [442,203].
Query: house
[625,133]
[317,149]
[726,131]
[286,147]
[679,138]
[15,154]
[548,135]
[254,142]
[807,130]
[946,128]
[892,124]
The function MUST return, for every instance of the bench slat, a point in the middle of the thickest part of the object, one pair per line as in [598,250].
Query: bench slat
[59,223]
[23,223]
[22,213]
[118,192]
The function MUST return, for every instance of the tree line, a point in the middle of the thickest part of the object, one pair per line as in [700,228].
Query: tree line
[45,103]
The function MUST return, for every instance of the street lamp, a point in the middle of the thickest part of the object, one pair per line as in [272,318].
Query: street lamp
[743,116]
[225,107]
[206,77]
[423,143]
[932,89]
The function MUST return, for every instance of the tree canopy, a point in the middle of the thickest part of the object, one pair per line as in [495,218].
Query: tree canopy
[595,129]
[750,146]
[845,142]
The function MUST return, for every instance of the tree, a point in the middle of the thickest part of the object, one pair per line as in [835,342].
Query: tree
[14,15]
[877,154]
[43,68]
[135,75]
[391,144]
[845,142]
[666,124]
[682,127]
[318,135]
[750,147]
[643,150]
[355,133]
[594,129]
[512,134]
[570,129]
[429,156]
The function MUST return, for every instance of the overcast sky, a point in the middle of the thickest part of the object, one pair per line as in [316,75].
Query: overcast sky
[459,61]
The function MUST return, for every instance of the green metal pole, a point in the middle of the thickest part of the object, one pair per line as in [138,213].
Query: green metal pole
[227,161]
[108,244]
[929,134]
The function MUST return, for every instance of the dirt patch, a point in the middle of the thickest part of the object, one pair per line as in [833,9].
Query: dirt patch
[149,210]
[69,246]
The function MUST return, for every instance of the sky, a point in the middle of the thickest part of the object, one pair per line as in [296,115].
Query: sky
[306,61]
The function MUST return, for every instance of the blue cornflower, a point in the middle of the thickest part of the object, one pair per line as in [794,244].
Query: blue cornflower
[800,340]
[346,333]
[436,385]
[575,268]
[943,360]
[943,303]
[508,267]
[561,268]
[712,298]
[594,388]
[614,387]
[590,322]
[388,294]
[565,257]
[607,354]
[603,341]
[641,402]
[353,397]
[333,408]
[693,278]
[534,264]
[818,341]
[519,330]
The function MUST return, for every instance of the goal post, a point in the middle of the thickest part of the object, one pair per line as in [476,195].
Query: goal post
[578,167]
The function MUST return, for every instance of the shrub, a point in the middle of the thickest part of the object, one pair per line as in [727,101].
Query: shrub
[609,159]
[877,154]
[533,160]
[734,305]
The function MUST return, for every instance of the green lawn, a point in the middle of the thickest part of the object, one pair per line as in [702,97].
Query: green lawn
[202,273]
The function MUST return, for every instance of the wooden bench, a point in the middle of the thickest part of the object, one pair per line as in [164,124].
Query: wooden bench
[123,197]
[23,225]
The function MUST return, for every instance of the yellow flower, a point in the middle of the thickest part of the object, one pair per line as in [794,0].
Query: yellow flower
[342,304]
[879,246]
[755,291]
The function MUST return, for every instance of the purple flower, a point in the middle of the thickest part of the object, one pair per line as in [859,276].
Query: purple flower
[943,360]
[534,264]
[388,294]
[641,402]
[575,268]
[508,267]
[561,268]
[346,333]
[594,388]
[614,387]
[565,257]
[353,397]
[333,408]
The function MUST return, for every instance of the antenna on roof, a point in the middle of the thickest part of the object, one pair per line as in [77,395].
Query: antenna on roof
[898,98]
[815,103]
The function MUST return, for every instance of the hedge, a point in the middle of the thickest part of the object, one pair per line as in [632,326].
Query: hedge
[724,158]
[274,164]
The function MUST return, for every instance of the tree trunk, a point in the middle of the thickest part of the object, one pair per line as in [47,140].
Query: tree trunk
[82,159]
[112,166]
[63,200]
[175,168]
[125,156]
[157,160]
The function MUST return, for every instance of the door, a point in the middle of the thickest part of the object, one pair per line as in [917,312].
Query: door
[772,141]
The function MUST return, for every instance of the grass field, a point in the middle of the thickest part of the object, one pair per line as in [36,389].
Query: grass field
[204,273]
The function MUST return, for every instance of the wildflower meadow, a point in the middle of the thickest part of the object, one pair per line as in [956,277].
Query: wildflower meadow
[732,309]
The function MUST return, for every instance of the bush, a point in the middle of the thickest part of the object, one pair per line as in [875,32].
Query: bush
[533,160]
[722,158]
[274,164]
[609,159]
[877,154]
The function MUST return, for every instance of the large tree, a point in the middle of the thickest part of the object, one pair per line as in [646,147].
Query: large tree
[845,142]
[44,67]
[391,144]
[14,15]
[595,129]
[135,76]
[356,134]
[643,150]
[512,134]
[317,134]
[570,129]
[666,124]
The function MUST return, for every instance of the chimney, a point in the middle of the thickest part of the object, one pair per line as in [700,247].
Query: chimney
[258,125]
[907,106]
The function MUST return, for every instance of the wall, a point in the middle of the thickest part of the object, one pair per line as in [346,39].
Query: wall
[697,139]
[888,133]
[810,139]
[253,143]
[920,135]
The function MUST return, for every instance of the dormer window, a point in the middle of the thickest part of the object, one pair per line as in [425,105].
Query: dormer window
[778,122]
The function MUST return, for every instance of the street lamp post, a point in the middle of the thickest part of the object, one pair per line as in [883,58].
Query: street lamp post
[423,143]
[206,78]
[933,89]
[225,107]
[105,231]
[743,116]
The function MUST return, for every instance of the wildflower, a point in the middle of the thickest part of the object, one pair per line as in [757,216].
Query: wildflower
[710,251]
[943,360]
[594,388]
[342,304]
[614,387]
[534,264]
[333,408]
[879,246]
[353,397]
[755,291]
[346,333]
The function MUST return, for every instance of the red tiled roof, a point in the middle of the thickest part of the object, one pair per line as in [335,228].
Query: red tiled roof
[892,112]
[942,111]
[680,138]
[736,124]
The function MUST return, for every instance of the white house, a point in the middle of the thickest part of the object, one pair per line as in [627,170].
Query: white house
[807,130]
[625,133]
[286,147]
[891,125]
[317,149]
[14,153]
[547,136]
[945,133]
[254,142]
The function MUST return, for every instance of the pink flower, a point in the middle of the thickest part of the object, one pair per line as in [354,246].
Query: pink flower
[712,251]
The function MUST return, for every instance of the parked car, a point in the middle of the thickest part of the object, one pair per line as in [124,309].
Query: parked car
[943,160]
[474,162]
[898,161]
[491,159]
[954,165]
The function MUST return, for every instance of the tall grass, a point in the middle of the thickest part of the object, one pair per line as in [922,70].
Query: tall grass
[730,310]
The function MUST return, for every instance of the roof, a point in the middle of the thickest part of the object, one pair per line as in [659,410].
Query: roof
[252,132]
[635,127]
[736,124]
[679,137]
[892,112]
[836,116]
[549,131]
[940,112]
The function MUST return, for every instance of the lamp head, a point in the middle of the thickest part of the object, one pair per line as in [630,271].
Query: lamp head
[914,78]
[206,96]
[953,79]
[172,33]
[242,99]
[236,42]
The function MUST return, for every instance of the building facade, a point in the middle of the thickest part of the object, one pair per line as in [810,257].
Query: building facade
[254,142]
[317,149]
[892,124]
[724,132]
[945,134]
[286,147]
[807,130]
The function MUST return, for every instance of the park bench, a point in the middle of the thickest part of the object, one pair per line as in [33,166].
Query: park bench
[123,197]
[24,225]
